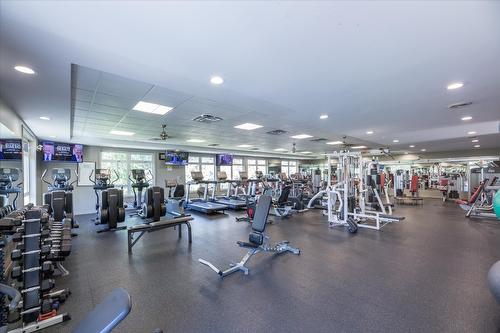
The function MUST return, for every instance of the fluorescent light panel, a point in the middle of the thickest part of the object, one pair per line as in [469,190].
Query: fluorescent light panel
[306,152]
[369,132]
[281,149]
[471,132]
[122,133]
[334,143]
[44,118]
[466,118]
[248,126]
[358,147]
[323,116]
[301,136]
[395,140]
[477,146]
[244,146]
[195,140]
[152,108]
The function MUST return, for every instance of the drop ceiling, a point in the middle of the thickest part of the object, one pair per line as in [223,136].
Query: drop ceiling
[371,66]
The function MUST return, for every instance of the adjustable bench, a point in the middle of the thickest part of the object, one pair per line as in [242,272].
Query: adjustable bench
[155,226]
[258,241]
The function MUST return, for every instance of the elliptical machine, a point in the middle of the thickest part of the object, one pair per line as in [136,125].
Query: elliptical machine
[111,211]
[140,182]
[7,178]
[59,198]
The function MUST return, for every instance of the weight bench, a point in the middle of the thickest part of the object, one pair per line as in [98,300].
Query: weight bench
[107,314]
[155,226]
[258,241]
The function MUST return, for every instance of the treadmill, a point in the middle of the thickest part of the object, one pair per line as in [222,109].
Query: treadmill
[202,205]
[232,202]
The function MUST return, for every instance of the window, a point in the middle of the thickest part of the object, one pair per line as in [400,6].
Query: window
[289,167]
[205,164]
[251,168]
[262,166]
[122,163]
[292,168]
[26,172]
[228,170]
[237,167]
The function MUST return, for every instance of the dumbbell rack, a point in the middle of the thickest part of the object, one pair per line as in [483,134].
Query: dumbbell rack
[33,249]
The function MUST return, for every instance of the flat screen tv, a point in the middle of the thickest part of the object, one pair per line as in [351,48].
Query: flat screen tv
[224,159]
[173,157]
[62,152]
[11,149]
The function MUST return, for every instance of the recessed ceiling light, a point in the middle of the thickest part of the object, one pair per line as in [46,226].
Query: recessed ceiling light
[358,147]
[52,136]
[301,136]
[281,149]
[455,85]
[323,116]
[248,126]
[152,108]
[122,133]
[244,146]
[466,118]
[477,146]
[395,140]
[216,80]
[423,149]
[334,143]
[369,132]
[195,140]
[44,118]
[305,152]
[412,146]
[471,132]
[24,70]
[475,140]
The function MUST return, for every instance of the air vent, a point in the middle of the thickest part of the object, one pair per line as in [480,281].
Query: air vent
[214,145]
[459,105]
[207,118]
[318,140]
[277,132]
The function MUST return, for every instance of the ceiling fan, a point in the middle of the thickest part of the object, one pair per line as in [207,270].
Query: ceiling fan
[163,135]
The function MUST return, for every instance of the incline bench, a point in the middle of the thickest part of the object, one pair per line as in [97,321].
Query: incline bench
[155,226]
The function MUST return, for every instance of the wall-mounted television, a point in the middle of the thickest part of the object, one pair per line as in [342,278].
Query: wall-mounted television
[173,157]
[11,149]
[62,152]
[224,159]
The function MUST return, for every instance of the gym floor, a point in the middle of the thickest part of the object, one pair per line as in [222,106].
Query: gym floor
[427,274]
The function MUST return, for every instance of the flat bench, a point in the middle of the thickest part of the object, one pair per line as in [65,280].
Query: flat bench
[155,226]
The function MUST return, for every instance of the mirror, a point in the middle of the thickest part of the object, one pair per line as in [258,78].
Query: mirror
[11,168]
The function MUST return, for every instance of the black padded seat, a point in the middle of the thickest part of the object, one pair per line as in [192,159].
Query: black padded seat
[256,237]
